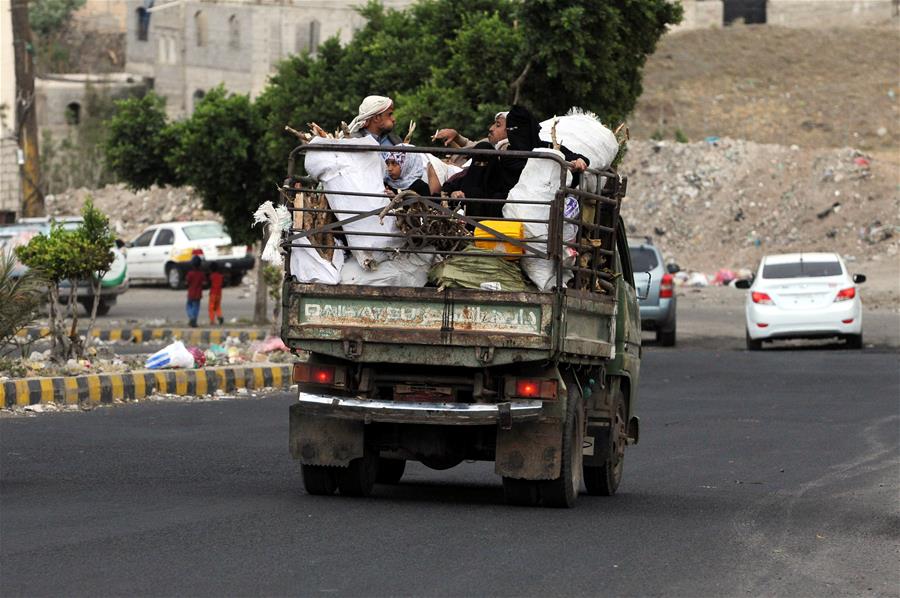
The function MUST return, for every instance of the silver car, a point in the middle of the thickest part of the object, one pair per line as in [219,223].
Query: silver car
[656,290]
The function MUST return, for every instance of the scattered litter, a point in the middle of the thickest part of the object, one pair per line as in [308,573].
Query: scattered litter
[174,355]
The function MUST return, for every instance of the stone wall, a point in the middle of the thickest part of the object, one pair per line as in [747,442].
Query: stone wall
[10,184]
[830,13]
[700,14]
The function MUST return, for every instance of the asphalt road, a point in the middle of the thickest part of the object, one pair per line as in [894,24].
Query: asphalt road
[772,473]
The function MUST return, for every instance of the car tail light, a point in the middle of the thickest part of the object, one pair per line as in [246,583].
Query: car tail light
[846,294]
[197,252]
[666,286]
[762,325]
[761,298]
[847,321]
[533,388]
[323,375]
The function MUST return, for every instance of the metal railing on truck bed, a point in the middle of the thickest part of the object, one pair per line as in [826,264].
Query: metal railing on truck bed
[503,326]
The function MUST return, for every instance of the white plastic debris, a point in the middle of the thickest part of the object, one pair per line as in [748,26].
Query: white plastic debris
[276,219]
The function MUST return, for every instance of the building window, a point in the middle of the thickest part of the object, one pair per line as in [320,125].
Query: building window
[200,27]
[73,113]
[171,54]
[306,38]
[234,32]
[143,24]
[315,29]
[198,97]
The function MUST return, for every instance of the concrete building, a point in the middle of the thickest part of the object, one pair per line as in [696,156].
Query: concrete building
[10,184]
[701,14]
[831,13]
[186,47]
[62,102]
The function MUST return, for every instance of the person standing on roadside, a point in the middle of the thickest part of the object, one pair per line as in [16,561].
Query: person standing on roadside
[195,279]
[216,280]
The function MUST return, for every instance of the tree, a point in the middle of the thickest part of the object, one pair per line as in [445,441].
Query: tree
[21,293]
[65,257]
[50,16]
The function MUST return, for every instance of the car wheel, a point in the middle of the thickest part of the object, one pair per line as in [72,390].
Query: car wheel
[319,480]
[752,345]
[103,308]
[174,278]
[236,278]
[358,478]
[666,338]
[855,341]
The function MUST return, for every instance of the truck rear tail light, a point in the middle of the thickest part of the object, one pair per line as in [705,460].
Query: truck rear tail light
[533,388]
[761,298]
[323,375]
[666,286]
[846,294]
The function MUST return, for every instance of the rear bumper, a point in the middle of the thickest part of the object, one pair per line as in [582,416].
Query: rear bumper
[461,414]
[780,324]
[658,317]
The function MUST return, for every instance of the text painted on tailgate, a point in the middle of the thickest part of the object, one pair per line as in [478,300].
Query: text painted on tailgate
[349,312]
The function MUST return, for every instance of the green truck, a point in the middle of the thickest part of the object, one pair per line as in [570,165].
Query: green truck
[542,383]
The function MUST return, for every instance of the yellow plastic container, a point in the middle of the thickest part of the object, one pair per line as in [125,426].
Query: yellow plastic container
[511,228]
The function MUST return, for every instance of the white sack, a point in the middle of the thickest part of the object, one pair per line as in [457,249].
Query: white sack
[405,270]
[442,169]
[174,355]
[539,182]
[310,267]
[582,133]
[357,172]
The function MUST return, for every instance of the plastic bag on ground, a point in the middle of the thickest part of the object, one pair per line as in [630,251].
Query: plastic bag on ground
[356,172]
[475,268]
[724,276]
[405,270]
[198,355]
[175,355]
[268,345]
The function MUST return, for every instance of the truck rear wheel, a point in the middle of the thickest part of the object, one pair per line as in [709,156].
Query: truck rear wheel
[563,491]
[603,480]
[390,470]
[319,480]
[358,478]
[524,493]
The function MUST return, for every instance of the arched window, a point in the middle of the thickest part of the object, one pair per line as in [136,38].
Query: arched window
[73,113]
[200,27]
[234,32]
[143,24]
[315,29]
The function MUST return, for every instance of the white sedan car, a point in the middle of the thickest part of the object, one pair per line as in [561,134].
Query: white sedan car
[163,252]
[803,295]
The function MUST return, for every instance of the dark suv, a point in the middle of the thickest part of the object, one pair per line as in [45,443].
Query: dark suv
[656,294]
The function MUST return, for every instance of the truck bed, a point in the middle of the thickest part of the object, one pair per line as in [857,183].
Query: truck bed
[454,327]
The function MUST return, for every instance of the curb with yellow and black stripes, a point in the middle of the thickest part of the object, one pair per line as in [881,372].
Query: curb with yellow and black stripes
[95,389]
[193,336]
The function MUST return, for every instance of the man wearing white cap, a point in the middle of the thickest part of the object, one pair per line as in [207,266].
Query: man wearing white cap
[375,118]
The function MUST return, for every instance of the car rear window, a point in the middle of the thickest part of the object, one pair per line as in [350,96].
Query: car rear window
[643,259]
[196,232]
[802,269]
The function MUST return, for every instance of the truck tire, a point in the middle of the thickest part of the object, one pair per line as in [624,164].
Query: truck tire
[390,470]
[319,480]
[358,478]
[666,338]
[603,480]
[523,493]
[563,491]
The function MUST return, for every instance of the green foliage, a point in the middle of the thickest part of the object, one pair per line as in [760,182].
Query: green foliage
[273,277]
[680,137]
[216,153]
[97,239]
[21,293]
[138,142]
[50,16]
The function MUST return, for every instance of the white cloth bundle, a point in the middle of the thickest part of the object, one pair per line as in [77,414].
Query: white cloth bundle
[539,182]
[582,132]
[357,172]
[310,267]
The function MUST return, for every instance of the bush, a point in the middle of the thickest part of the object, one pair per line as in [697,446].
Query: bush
[20,297]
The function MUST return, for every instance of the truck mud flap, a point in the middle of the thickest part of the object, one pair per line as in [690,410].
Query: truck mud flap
[324,440]
[530,451]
